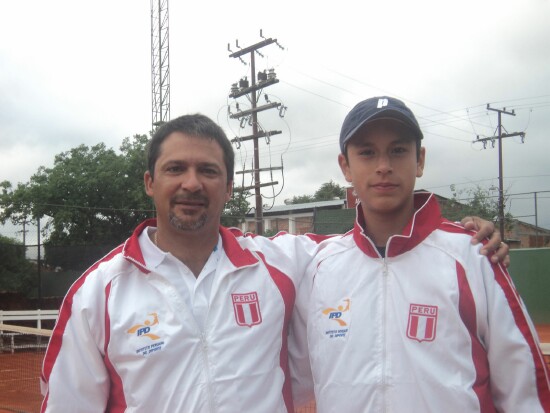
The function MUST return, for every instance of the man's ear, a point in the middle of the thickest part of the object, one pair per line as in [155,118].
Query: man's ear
[344,166]
[148,182]
[420,162]
[229,191]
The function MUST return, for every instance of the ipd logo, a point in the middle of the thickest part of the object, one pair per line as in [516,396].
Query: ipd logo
[144,329]
[337,313]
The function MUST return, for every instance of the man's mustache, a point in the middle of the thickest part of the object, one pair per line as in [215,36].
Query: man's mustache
[191,198]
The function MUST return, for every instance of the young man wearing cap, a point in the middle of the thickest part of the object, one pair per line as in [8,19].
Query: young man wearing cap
[403,314]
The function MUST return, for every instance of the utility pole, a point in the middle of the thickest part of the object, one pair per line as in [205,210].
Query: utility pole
[242,88]
[536,223]
[500,136]
[39,263]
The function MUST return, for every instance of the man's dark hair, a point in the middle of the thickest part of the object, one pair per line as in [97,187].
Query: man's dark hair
[196,125]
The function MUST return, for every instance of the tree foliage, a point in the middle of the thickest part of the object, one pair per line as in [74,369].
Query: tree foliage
[327,192]
[91,195]
[473,201]
[236,209]
[17,274]
[302,199]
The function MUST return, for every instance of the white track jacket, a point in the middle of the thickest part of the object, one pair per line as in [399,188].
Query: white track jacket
[432,328]
[126,342]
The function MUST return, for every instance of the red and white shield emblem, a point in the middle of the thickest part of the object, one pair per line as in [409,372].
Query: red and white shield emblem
[422,322]
[247,309]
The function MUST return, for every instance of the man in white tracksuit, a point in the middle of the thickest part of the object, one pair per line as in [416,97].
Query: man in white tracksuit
[130,338]
[185,316]
[403,314]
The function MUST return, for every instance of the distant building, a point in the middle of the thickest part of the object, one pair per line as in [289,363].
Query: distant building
[338,216]
[524,235]
[294,218]
[519,235]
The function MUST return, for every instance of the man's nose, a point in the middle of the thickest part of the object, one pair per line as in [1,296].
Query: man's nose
[191,181]
[384,164]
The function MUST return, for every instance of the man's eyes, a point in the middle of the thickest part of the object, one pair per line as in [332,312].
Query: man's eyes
[399,149]
[174,168]
[209,171]
[203,170]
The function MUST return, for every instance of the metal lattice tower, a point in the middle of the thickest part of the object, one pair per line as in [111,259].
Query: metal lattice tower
[160,63]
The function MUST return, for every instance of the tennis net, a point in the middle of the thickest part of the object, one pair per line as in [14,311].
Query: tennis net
[21,353]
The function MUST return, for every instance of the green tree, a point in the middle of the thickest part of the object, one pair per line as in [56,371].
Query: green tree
[327,192]
[17,274]
[133,152]
[91,195]
[473,201]
[236,209]
[302,199]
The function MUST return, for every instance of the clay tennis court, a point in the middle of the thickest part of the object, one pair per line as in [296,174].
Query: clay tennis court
[544,336]
[19,382]
[20,373]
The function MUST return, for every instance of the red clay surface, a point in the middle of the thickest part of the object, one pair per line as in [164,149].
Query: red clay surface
[19,382]
[544,336]
[544,333]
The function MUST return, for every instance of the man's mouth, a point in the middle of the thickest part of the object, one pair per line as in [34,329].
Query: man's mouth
[192,202]
[384,186]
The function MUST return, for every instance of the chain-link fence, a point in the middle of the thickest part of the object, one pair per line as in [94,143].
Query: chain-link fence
[36,273]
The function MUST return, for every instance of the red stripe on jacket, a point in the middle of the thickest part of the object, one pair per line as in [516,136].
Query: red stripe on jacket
[542,378]
[467,311]
[288,293]
[116,402]
[56,340]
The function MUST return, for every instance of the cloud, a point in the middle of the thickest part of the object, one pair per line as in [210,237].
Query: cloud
[80,73]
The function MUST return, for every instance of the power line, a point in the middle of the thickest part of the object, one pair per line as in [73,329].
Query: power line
[316,94]
[500,136]
[427,118]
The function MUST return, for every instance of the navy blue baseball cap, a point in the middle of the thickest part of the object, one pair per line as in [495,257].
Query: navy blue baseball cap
[382,107]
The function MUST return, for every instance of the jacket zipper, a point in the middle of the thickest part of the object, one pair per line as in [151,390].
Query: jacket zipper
[204,348]
[385,336]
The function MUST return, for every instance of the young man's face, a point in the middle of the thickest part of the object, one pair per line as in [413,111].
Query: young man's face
[190,184]
[382,164]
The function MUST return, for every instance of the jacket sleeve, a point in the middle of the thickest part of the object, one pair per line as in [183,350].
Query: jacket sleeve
[74,374]
[298,354]
[519,376]
[293,253]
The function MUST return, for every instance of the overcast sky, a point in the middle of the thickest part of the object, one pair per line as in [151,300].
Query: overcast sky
[75,72]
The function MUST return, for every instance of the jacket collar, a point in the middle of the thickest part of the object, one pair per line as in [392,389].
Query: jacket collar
[238,256]
[425,220]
